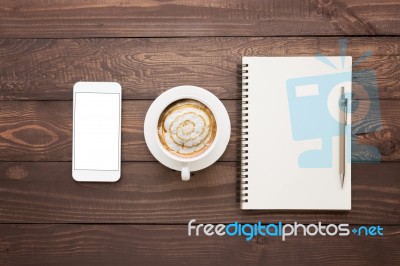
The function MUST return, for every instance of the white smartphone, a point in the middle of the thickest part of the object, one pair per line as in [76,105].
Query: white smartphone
[96,148]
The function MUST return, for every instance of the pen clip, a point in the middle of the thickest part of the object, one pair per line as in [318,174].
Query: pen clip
[345,111]
[343,102]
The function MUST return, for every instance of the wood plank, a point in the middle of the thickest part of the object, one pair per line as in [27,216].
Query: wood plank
[43,69]
[377,132]
[42,131]
[148,192]
[110,18]
[170,245]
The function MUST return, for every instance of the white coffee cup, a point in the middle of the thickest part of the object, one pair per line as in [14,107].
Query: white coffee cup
[204,159]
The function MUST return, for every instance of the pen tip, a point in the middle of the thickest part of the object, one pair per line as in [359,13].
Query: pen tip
[342,179]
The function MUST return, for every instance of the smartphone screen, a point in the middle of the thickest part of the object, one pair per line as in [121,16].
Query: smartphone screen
[96,131]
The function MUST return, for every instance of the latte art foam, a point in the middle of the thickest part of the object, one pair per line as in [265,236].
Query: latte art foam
[187,128]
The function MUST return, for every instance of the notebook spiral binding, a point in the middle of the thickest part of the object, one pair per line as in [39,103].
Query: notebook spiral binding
[244,145]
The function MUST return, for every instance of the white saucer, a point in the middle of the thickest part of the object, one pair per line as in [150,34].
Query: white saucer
[222,137]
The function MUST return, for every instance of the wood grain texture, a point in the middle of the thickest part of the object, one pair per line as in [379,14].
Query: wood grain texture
[46,69]
[110,18]
[376,129]
[170,245]
[47,46]
[42,131]
[148,192]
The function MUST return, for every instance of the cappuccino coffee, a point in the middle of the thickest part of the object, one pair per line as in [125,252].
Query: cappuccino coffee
[187,128]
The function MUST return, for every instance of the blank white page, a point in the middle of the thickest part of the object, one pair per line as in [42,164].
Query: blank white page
[96,131]
[276,178]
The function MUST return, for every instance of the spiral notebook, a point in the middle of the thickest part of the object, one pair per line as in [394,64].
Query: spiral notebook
[290,133]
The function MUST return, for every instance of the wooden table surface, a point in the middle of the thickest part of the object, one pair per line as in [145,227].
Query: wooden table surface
[149,47]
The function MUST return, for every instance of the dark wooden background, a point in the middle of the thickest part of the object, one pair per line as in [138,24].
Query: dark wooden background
[149,47]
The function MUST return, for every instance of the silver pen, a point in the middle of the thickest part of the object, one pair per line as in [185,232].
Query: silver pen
[342,136]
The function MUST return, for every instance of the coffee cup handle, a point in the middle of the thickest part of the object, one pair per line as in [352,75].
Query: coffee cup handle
[185,172]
